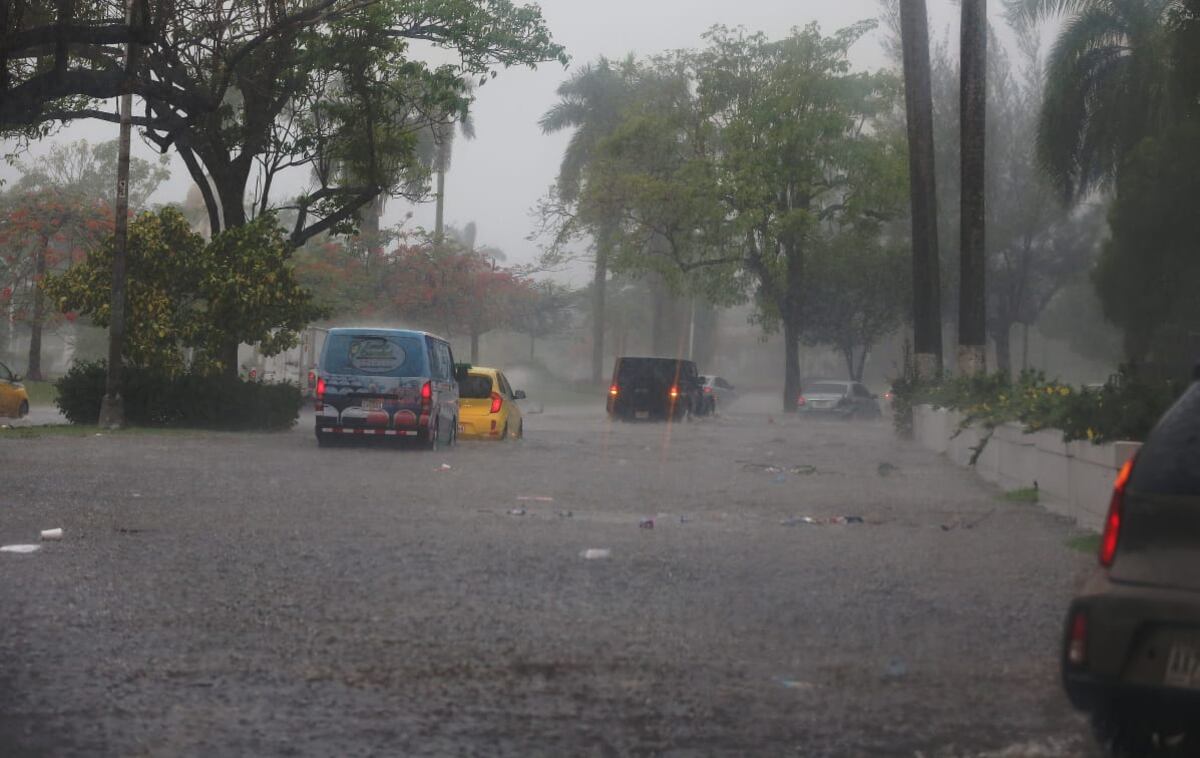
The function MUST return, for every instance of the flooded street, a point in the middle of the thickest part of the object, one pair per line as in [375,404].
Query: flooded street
[756,585]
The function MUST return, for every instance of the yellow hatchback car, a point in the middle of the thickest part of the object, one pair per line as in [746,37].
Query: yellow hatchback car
[487,407]
[14,400]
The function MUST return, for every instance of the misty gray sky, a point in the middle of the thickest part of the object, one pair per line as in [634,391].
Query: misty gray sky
[497,178]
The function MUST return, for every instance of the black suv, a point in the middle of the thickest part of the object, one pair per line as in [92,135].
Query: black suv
[655,388]
[1131,647]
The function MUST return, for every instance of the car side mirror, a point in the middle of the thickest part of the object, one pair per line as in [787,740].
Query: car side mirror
[16,378]
[519,395]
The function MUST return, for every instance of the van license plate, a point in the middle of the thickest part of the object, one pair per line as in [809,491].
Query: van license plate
[373,404]
[641,414]
[1183,667]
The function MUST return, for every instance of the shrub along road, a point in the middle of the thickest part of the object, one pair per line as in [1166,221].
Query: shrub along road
[224,594]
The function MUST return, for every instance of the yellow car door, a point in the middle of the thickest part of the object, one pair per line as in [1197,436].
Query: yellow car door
[513,420]
[8,393]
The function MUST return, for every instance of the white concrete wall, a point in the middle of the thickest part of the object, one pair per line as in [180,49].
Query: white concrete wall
[1073,479]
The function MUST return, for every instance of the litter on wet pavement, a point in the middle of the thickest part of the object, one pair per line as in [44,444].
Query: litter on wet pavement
[823,521]
[20,548]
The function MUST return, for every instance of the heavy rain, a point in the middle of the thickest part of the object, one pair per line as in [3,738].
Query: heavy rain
[386,377]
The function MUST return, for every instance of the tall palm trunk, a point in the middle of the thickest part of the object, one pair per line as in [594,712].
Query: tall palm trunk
[918,98]
[439,226]
[599,283]
[972,300]
[34,370]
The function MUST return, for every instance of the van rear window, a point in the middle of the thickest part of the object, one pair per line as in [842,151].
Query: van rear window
[374,355]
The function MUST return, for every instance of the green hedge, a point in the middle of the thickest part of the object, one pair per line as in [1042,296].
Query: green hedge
[185,400]
[1124,408]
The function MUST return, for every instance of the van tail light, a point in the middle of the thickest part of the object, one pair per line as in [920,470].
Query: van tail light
[319,404]
[612,391]
[497,402]
[1077,639]
[674,393]
[1112,522]
[426,395]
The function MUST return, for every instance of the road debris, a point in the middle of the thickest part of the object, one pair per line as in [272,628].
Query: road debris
[646,523]
[762,468]
[596,553]
[20,548]
[823,521]
[895,669]
[792,684]
[685,519]
[887,469]
[803,470]
[50,535]
[517,512]
[444,467]
[535,498]
[961,523]
[566,514]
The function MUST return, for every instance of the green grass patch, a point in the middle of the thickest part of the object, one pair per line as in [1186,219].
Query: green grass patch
[1085,543]
[41,393]
[1023,495]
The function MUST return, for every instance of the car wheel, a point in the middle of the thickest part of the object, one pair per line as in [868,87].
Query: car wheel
[504,433]
[23,411]
[431,439]
[521,430]
[324,440]
[1129,732]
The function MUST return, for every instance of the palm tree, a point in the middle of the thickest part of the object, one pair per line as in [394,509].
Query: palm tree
[927,319]
[972,299]
[590,102]
[443,150]
[1107,84]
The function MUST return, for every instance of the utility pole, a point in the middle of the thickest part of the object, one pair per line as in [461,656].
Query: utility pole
[918,99]
[972,296]
[112,408]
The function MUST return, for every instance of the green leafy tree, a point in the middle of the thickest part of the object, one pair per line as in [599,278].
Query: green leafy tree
[186,294]
[543,309]
[855,295]
[244,91]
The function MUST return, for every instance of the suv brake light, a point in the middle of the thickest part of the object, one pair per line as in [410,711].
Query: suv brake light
[426,395]
[1112,522]
[674,393]
[613,390]
[321,388]
[497,402]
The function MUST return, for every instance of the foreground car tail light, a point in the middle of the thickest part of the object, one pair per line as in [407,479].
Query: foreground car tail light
[1112,522]
[612,391]
[1077,639]
[674,393]
[497,402]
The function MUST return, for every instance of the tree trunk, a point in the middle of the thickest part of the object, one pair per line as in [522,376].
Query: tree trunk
[439,227]
[661,308]
[474,347]
[918,98]
[972,300]
[599,282]
[862,363]
[112,409]
[791,363]
[229,359]
[1003,349]
[1025,347]
[34,370]
[848,356]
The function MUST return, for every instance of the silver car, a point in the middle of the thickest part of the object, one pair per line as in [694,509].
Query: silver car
[837,398]
[718,393]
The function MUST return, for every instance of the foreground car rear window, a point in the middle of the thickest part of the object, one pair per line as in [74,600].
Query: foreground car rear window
[475,387]
[374,355]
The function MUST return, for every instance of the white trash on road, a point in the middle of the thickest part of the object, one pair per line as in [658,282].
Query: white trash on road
[595,553]
[52,534]
[20,548]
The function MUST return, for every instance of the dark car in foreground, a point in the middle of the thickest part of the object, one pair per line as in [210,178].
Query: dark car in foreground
[838,398]
[1131,647]
[654,388]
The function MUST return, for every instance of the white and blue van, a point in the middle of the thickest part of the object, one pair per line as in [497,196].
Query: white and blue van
[386,383]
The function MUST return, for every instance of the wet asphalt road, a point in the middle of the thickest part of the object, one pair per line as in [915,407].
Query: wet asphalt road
[222,594]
